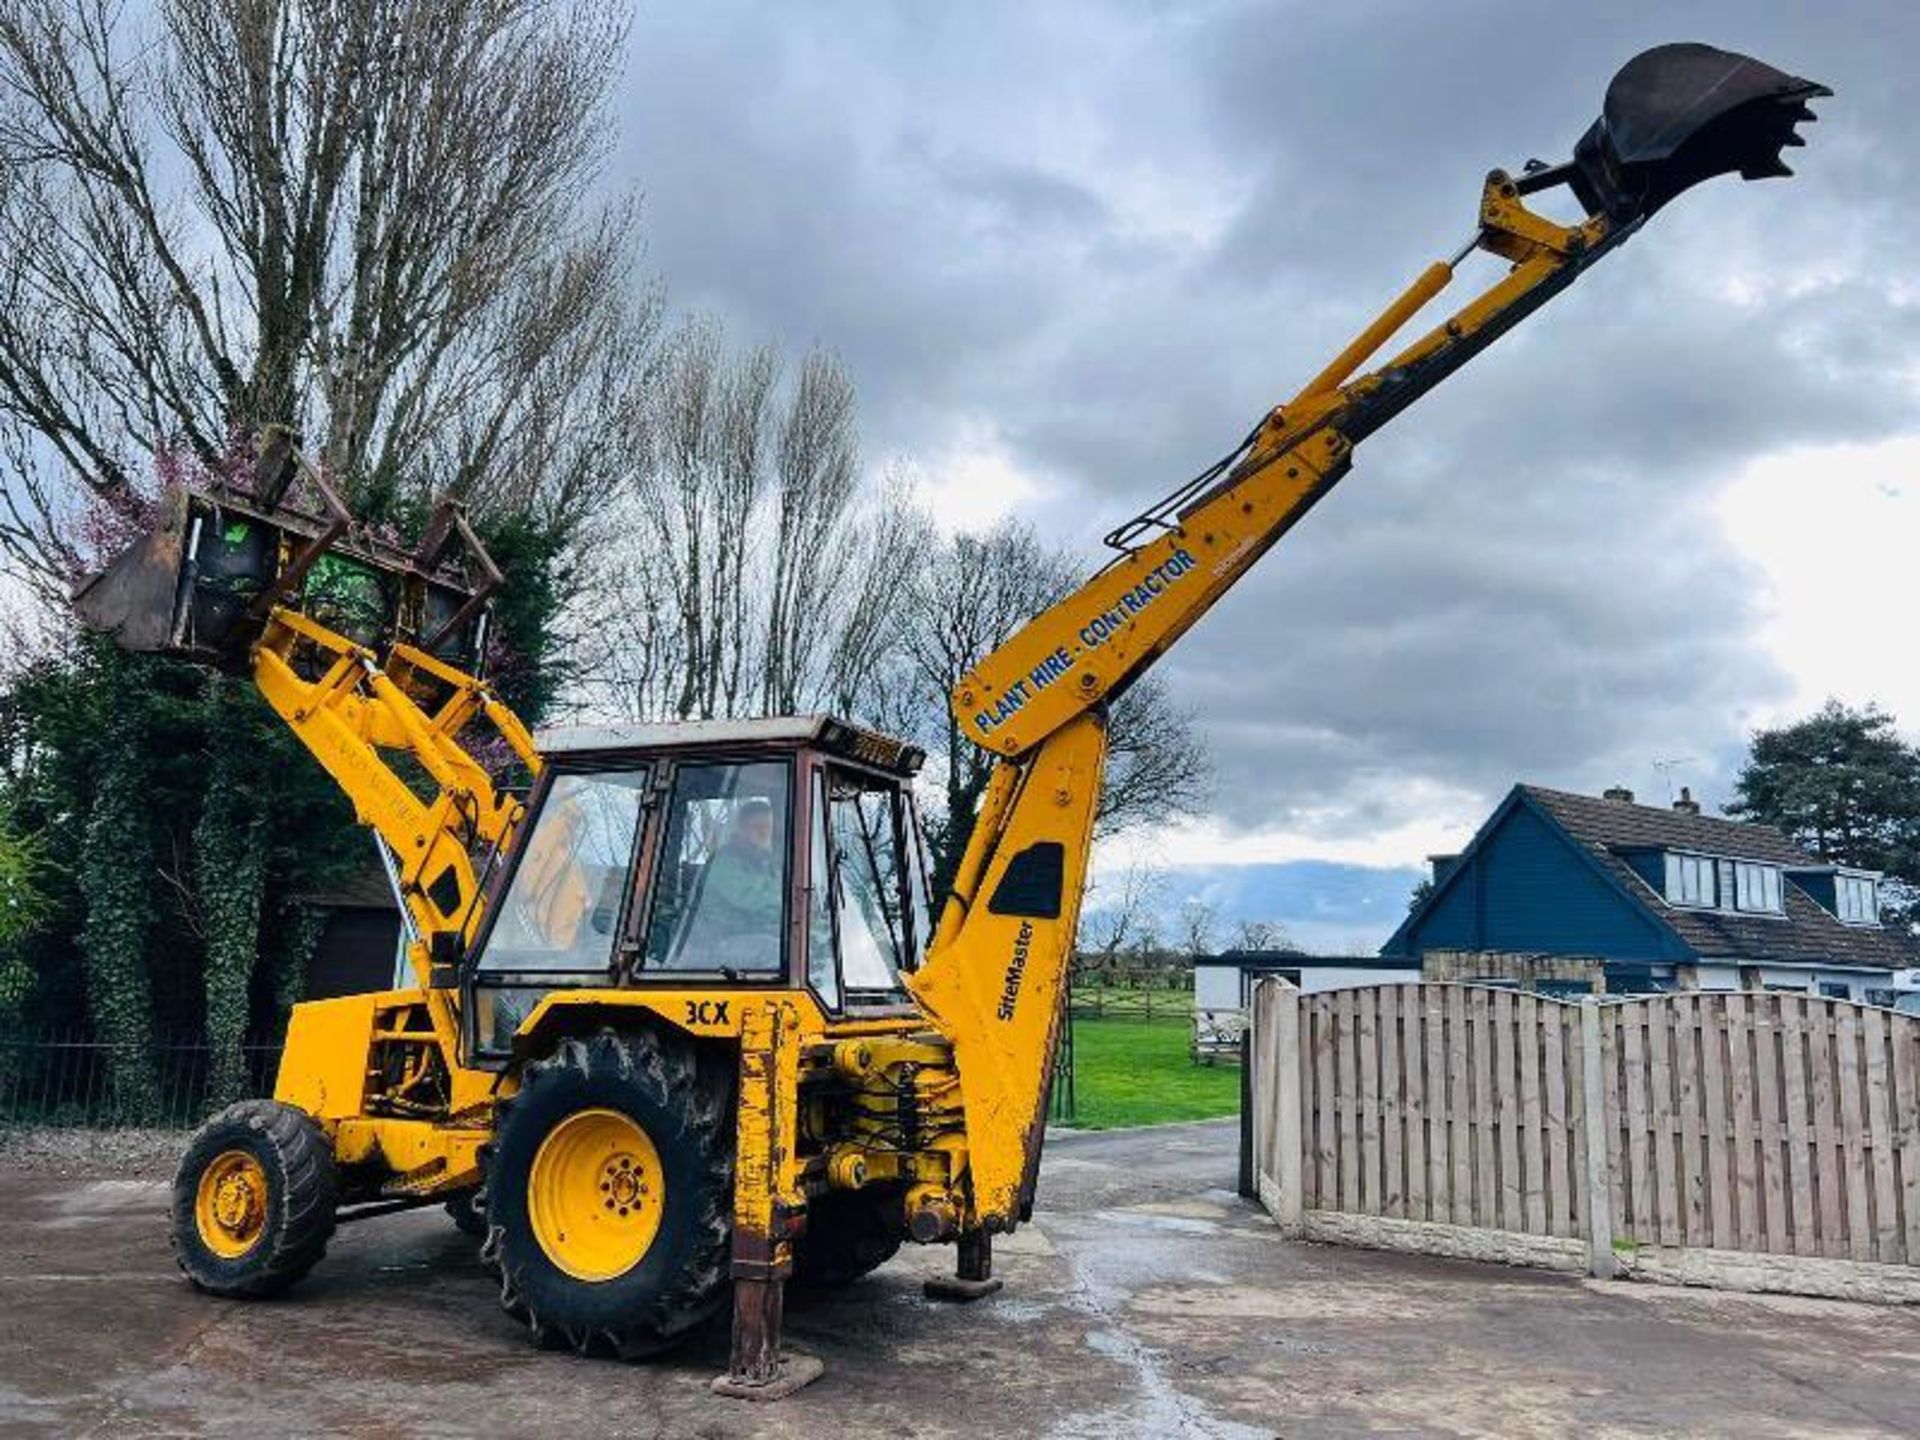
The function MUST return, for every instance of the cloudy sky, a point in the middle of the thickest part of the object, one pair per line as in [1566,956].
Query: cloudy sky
[1071,251]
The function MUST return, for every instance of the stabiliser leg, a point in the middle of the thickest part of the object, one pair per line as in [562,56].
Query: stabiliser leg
[758,1370]
[973,1277]
[763,1214]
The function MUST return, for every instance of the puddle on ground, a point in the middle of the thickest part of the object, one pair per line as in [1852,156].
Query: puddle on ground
[1143,1217]
[1157,1408]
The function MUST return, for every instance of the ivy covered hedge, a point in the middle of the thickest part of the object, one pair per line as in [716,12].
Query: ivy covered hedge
[162,836]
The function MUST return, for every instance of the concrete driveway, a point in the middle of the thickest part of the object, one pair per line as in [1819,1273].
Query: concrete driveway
[1146,1300]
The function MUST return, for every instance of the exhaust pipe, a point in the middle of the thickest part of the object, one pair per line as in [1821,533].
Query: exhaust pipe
[1676,115]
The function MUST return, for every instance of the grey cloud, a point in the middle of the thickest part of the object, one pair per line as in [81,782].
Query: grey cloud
[1521,579]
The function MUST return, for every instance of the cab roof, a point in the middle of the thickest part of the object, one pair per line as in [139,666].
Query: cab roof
[827,731]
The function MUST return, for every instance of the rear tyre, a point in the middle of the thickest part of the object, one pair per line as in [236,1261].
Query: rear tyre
[609,1194]
[468,1211]
[253,1200]
[848,1235]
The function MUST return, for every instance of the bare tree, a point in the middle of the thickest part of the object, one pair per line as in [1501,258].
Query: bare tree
[373,221]
[367,219]
[1120,915]
[1261,935]
[1199,919]
[816,470]
[755,567]
[975,592]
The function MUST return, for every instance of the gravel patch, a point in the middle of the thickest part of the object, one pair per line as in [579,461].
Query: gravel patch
[88,1154]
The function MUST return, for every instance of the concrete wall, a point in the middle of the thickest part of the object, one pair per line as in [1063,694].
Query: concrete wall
[1216,987]
[1219,987]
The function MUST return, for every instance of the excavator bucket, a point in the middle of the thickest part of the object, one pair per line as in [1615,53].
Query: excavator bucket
[202,581]
[1679,114]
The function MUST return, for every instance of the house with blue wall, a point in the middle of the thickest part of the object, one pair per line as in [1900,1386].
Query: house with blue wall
[1650,898]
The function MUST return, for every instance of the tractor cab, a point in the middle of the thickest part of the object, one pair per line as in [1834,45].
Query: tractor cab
[707,855]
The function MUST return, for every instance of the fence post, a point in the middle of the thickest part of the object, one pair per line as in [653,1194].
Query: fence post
[1287,1100]
[1599,1216]
[1276,1050]
[1249,1182]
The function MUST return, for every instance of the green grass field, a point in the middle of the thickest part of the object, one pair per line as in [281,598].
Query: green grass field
[1136,1072]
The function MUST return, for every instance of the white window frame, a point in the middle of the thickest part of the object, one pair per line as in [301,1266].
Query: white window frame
[1757,888]
[1692,880]
[1856,899]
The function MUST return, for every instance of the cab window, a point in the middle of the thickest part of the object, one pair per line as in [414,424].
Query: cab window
[721,877]
[823,964]
[866,896]
[919,888]
[561,911]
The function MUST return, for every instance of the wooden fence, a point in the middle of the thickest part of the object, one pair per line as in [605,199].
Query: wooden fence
[1662,1135]
[1101,1003]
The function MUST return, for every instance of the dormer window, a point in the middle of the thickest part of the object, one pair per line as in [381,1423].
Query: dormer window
[1691,880]
[1707,882]
[1856,899]
[1757,888]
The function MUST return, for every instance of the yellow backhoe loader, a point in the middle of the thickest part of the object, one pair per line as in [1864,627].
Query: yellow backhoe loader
[685,1020]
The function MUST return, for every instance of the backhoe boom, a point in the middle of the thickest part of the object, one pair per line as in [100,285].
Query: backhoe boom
[1673,117]
[1177,561]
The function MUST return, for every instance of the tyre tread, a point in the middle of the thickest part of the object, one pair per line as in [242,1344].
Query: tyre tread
[670,1070]
[309,1195]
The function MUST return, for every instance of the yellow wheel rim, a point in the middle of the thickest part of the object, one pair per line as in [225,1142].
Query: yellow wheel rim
[230,1205]
[596,1194]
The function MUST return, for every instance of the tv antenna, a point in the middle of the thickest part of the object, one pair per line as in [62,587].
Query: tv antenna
[1666,769]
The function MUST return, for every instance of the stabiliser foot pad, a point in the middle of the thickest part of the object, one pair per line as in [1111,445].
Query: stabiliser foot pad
[948,1287]
[795,1372]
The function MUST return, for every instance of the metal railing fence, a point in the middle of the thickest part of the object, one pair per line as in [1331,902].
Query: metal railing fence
[74,1078]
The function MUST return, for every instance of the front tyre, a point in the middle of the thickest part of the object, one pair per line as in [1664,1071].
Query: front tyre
[253,1200]
[609,1193]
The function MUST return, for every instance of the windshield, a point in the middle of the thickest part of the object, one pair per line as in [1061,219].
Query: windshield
[561,913]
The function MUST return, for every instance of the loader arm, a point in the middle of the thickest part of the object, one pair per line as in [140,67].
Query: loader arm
[356,712]
[995,977]
[355,716]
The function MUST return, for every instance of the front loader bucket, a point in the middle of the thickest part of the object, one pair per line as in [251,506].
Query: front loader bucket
[1679,114]
[201,583]
[136,599]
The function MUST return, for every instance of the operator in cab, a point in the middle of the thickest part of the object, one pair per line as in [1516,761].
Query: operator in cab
[739,904]
[743,878]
